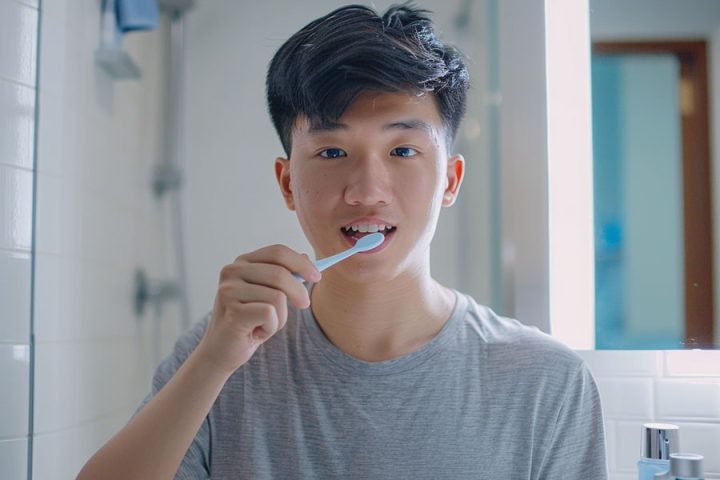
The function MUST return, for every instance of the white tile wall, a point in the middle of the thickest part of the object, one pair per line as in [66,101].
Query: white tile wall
[680,387]
[13,459]
[695,363]
[18,38]
[15,269]
[15,208]
[97,221]
[17,124]
[700,399]
[14,385]
[18,35]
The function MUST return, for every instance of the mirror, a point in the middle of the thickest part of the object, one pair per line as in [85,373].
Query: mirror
[654,146]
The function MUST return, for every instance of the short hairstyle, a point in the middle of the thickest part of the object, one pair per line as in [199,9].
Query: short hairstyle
[320,70]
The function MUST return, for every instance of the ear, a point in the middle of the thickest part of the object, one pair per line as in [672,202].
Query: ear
[282,174]
[455,173]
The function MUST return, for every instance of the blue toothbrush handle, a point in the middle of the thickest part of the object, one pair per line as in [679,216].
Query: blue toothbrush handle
[327,262]
[330,261]
[364,244]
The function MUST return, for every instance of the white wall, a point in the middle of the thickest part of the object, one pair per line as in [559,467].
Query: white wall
[97,220]
[524,162]
[18,29]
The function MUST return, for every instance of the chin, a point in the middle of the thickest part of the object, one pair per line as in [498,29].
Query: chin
[380,271]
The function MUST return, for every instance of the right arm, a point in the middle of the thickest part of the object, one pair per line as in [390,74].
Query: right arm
[250,307]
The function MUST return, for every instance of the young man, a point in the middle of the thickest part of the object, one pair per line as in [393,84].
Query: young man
[371,370]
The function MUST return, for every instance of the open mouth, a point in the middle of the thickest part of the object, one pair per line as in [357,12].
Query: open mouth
[356,232]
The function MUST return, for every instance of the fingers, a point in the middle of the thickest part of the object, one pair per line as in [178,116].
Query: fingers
[266,321]
[273,267]
[251,303]
[276,278]
[285,257]
[238,292]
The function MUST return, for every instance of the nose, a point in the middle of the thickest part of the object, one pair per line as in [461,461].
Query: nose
[369,182]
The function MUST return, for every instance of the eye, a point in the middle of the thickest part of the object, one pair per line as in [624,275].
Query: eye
[404,152]
[333,153]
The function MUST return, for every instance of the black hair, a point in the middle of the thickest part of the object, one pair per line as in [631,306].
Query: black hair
[320,70]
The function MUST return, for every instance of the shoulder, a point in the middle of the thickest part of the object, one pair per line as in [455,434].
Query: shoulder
[510,342]
[184,346]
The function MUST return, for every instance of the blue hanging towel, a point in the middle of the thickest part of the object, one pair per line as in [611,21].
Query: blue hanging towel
[137,15]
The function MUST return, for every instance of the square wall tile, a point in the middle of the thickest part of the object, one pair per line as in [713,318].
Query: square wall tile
[622,363]
[59,213]
[626,397]
[55,133]
[692,363]
[56,297]
[54,455]
[14,459]
[59,25]
[15,388]
[15,274]
[18,42]
[688,399]
[16,200]
[55,387]
[81,381]
[104,378]
[17,124]
[104,296]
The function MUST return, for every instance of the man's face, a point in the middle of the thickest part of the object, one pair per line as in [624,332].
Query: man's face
[384,162]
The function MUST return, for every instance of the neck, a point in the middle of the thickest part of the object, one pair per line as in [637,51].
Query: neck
[379,321]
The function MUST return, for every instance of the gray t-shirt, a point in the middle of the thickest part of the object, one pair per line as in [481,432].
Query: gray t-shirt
[486,398]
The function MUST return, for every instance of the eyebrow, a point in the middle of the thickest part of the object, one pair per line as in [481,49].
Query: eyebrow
[409,124]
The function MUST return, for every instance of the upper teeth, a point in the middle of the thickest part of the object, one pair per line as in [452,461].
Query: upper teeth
[363,228]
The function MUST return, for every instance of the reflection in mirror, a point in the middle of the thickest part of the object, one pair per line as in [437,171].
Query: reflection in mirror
[651,95]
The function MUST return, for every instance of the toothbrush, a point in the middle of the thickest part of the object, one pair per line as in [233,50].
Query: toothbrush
[368,242]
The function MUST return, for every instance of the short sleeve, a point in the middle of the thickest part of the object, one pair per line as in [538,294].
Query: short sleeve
[577,443]
[195,465]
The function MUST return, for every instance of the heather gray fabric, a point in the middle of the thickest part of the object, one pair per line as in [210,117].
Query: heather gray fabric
[487,398]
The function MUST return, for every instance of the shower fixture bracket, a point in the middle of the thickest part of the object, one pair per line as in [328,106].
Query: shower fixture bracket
[167,177]
[158,292]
